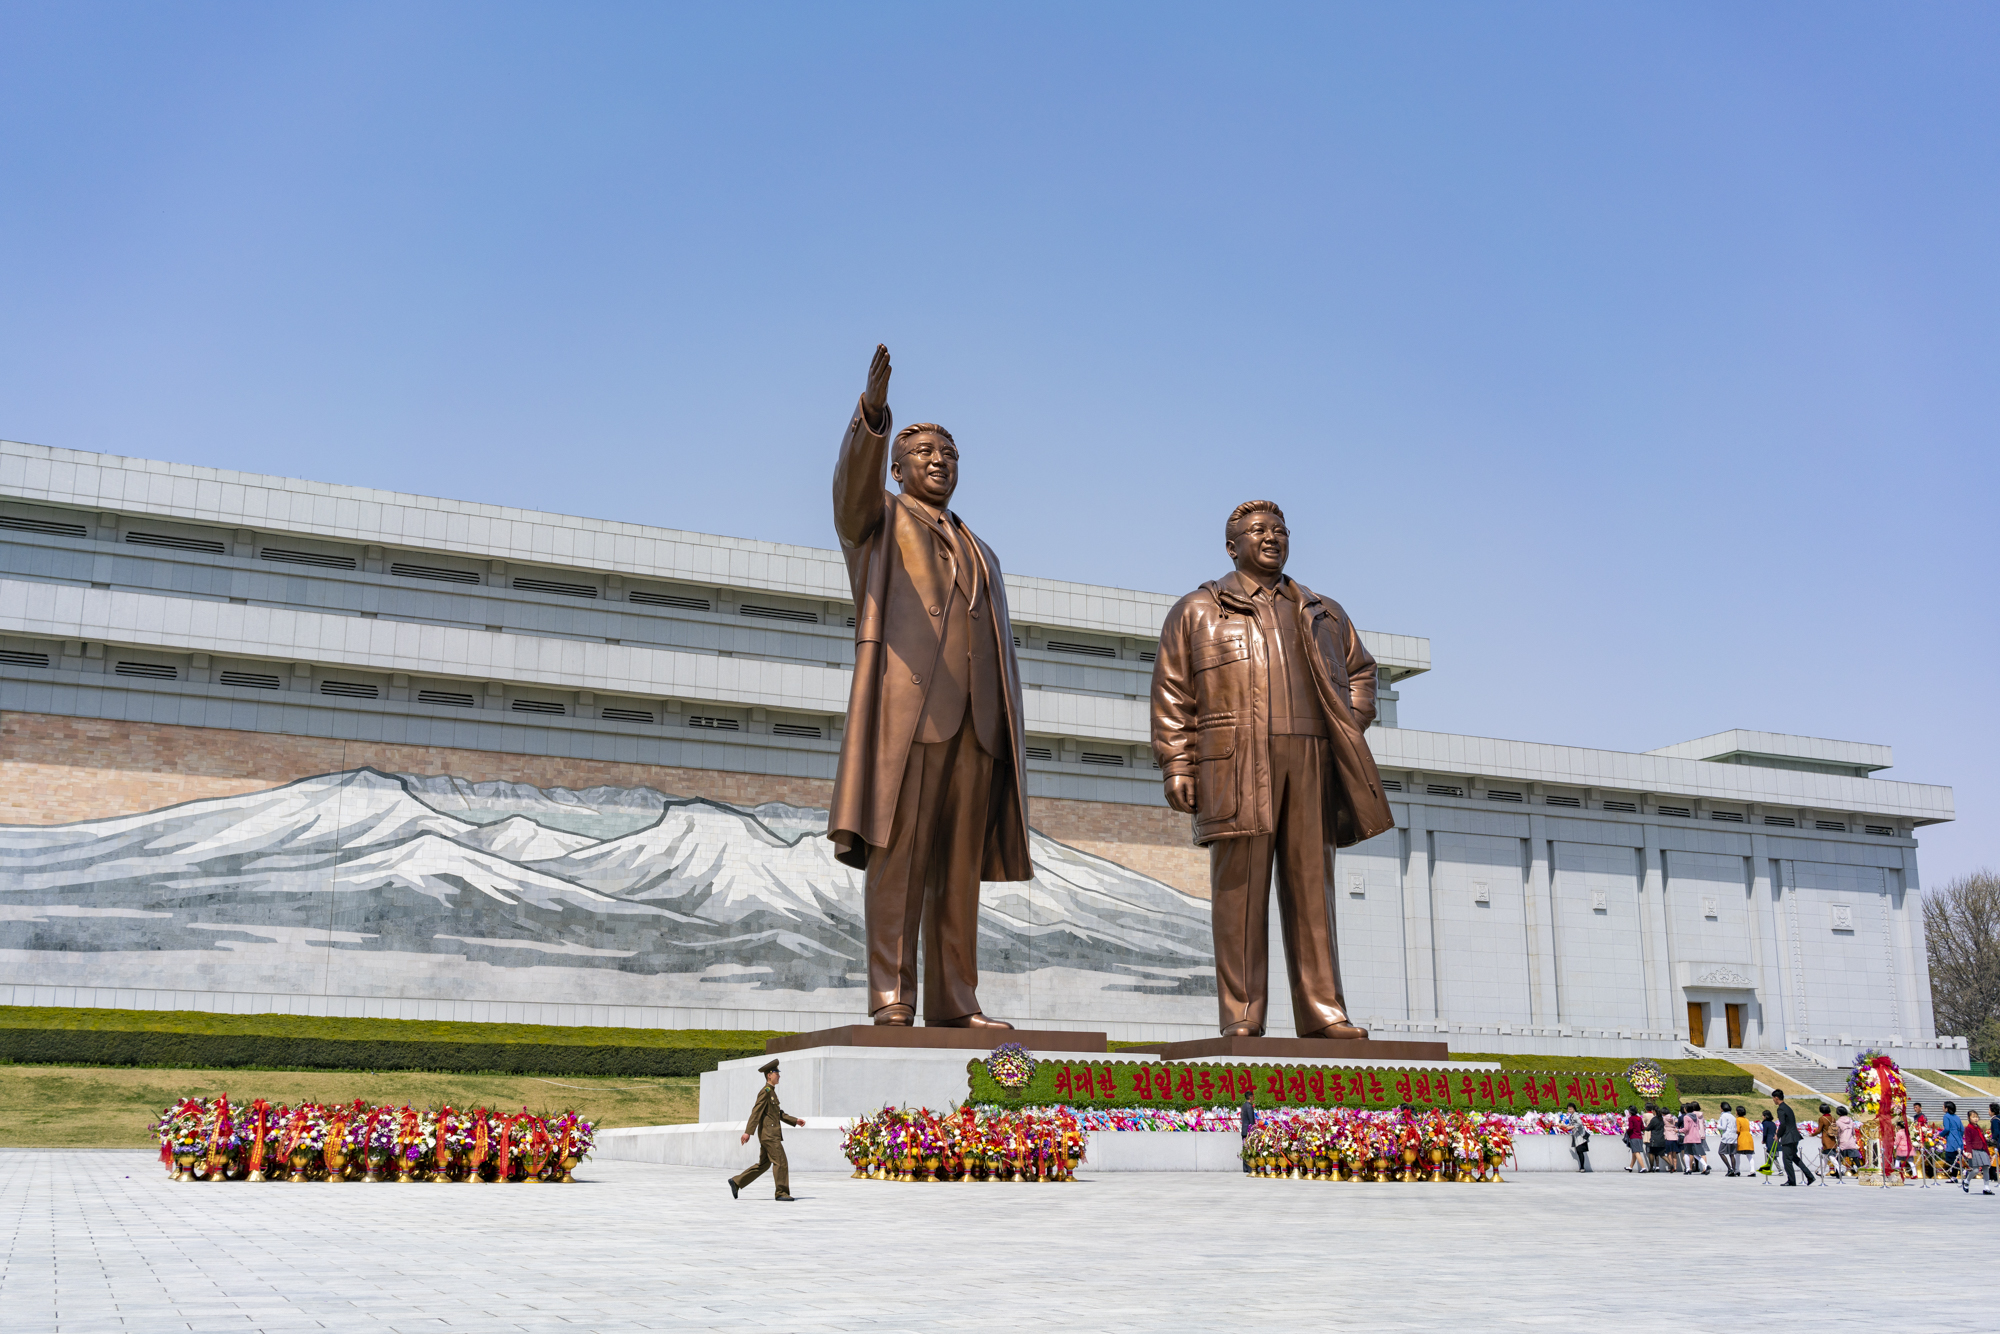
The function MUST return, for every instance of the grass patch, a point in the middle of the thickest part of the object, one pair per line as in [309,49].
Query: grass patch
[196,1039]
[88,1107]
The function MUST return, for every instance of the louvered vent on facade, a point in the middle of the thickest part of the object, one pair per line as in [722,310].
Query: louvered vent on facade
[1041,752]
[1443,790]
[1678,812]
[1103,757]
[1500,794]
[350,690]
[715,724]
[1879,830]
[548,706]
[797,729]
[1727,817]
[778,613]
[1392,785]
[206,545]
[14,657]
[1085,650]
[152,671]
[46,527]
[1558,800]
[288,557]
[617,715]
[1781,821]
[1830,826]
[456,698]
[441,573]
[250,680]
[556,586]
[1623,807]
[646,599]
[1148,655]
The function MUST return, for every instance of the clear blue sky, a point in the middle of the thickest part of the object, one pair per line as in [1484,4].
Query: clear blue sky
[1644,357]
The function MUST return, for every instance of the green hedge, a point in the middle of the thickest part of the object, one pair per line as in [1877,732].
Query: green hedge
[1695,1078]
[193,1039]
[1086,1082]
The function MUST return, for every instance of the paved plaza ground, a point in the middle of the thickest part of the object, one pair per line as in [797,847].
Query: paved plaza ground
[102,1241]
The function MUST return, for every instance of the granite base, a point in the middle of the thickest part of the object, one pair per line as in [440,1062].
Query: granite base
[1357,1051]
[940,1039]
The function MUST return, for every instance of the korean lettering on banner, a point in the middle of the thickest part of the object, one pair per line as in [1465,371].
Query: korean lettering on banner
[1142,1082]
[1575,1093]
[1276,1082]
[1376,1093]
[1107,1083]
[1184,1085]
[1549,1090]
[1357,1090]
[1485,1089]
[1402,1087]
[1082,1080]
[1533,1090]
[1318,1085]
[1296,1085]
[1163,1082]
[1590,1092]
[1466,1091]
[1062,1082]
[1205,1085]
[1503,1090]
[1610,1090]
[1423,1089]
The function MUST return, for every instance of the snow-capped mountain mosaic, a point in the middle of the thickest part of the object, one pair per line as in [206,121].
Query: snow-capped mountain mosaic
[365,883]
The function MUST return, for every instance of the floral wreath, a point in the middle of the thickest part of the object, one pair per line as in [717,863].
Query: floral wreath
[1011,1066]
[1647,1079]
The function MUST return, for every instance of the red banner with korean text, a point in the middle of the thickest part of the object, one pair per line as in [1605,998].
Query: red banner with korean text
[1082,1082]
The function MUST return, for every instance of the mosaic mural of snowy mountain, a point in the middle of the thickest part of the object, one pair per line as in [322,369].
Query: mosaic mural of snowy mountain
[365,883]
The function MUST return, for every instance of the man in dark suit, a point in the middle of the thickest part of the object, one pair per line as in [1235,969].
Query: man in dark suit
[767,1123]
[929,798]
[1788,1139]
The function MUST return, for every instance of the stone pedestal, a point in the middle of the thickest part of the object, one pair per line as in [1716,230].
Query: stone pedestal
[1305,1051]
[848,1081]
[937,1039]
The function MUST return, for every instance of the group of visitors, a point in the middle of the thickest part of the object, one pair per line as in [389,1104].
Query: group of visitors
[1676,1141]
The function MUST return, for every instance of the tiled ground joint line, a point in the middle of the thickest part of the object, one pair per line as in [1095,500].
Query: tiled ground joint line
[98,1241]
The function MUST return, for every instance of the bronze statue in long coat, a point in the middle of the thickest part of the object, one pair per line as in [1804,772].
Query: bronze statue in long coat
[929,799]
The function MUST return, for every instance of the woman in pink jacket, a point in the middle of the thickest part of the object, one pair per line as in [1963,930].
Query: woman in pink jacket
[1694,1141]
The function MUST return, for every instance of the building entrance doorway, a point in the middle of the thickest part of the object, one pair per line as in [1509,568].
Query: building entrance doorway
[1733,1017]
[1697,1023]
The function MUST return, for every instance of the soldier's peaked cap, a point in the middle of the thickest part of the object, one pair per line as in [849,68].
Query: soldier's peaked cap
[767,1068]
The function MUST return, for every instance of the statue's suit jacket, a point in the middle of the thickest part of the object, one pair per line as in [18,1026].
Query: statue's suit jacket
[1211,712]
[898,568]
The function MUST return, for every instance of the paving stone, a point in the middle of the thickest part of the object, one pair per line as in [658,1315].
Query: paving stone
[95,1242]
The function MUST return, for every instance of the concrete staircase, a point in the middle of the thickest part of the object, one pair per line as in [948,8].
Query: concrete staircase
[1833,1082]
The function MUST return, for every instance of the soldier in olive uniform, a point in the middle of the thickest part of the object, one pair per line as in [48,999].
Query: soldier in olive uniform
[765,1116]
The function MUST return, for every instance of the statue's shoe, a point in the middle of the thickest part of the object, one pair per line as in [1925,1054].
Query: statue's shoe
[1243,1031]
[896,1016]
[1342,1030]
[973,1020]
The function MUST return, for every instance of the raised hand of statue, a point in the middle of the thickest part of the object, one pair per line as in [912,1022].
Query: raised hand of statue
[875,398]
[1180,794]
